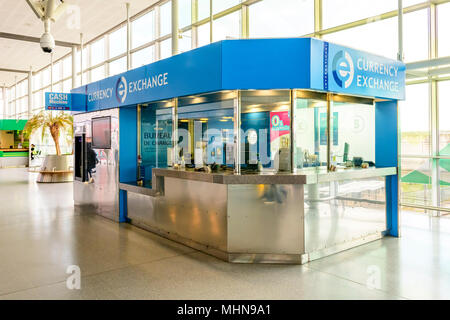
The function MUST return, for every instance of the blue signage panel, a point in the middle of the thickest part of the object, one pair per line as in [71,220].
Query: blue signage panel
[266,64]
[300,63]
[65,101]
[361,73]
[58,101]
[193,72]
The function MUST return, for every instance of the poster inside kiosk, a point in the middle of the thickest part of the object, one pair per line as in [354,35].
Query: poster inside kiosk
[65,101]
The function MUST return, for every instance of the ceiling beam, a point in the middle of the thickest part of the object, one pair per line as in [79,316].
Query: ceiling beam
[19,37]
[437,62]
[13,70]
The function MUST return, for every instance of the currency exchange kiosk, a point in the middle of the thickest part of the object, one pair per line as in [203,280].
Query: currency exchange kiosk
[256,151]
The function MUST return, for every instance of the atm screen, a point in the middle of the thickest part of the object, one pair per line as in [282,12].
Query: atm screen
[101,133]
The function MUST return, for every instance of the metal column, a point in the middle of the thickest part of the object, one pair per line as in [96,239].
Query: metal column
[194,19]
[175,31]
[128,37]
[292,133]
[81,58]
[157,33]
[400,54]
[5,101]
[244,22]
[211,18]
[15,97]
[237,133]
[317,18]
[433,94]
[74,67]
[30,93]
[329,103]
[175,132]
[51,71]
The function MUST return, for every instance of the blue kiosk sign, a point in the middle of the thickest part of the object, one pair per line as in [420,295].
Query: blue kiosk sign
[65,101]
[303,63]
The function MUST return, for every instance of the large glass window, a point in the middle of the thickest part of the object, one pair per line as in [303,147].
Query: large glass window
[67,67]
[143,57]
[67,85]
[185,41]
[416,181]
[444,118]
[155,139]
[118,42]
[37,84]
[118,66]
[206,131]
[184,13]
[415,121]
[143,30]
[203,32]
[227,27]
[85,59]
[444,30]
[221,5]
[352,132]
[444,175]
[56,72]
[98,52]
[310,127]
[57,87]
[293,18]
[203,9]
[165,19]
[46,77]
[344,11]
[416,35]
[98,73]
[37,103]
[444,142]
[166,48]
[370,37]
[265,130]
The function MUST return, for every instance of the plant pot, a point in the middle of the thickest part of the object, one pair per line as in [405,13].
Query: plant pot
[56,169]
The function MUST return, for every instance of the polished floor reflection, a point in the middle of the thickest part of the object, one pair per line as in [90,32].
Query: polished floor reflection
[41,235]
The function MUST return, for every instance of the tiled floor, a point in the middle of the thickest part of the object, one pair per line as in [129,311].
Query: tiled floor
[40,236]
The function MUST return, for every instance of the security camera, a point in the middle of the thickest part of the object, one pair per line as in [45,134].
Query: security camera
[47,42]
[48,11]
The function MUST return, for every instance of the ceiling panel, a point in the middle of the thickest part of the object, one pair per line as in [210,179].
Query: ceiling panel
[90,17]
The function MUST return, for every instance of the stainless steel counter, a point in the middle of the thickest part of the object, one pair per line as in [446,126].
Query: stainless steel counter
[264,217]
[304,176]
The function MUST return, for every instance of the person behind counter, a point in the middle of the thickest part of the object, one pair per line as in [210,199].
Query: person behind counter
[92,161]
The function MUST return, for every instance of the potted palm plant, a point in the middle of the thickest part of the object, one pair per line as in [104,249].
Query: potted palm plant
[55,168]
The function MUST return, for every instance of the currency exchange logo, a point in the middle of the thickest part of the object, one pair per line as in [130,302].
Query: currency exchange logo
[121,89]
[343,69]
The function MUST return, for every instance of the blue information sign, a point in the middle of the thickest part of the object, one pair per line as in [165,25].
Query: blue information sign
[360,73]
[65,101]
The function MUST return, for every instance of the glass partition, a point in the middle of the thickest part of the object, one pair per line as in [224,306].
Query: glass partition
[279,131]
[311,129]
[265,130]
[206,131]
[155,138]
